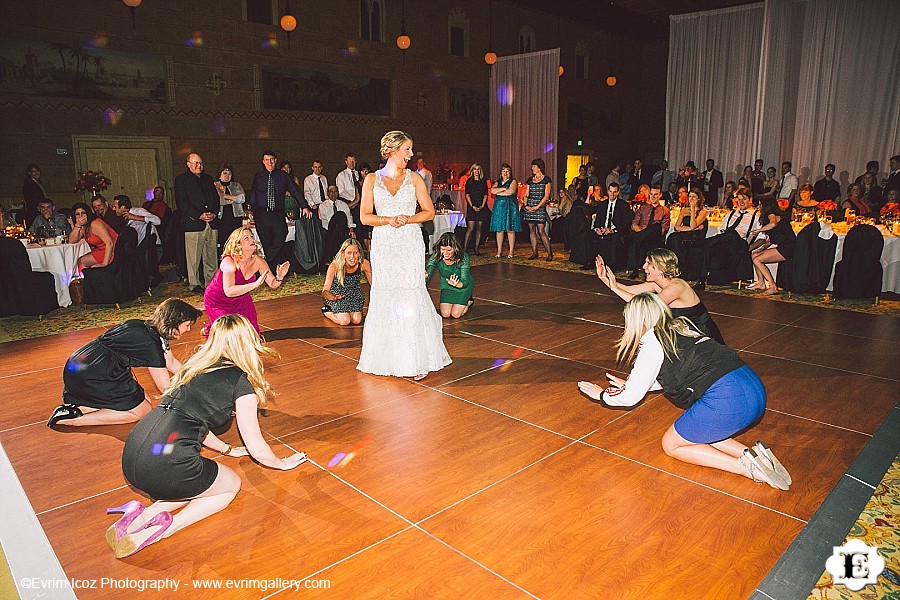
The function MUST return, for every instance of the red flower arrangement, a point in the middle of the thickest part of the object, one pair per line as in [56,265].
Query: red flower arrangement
[783,203]
[891,208]
[687,173]
[827,205]
[683,199]
[92,181]
[641,197]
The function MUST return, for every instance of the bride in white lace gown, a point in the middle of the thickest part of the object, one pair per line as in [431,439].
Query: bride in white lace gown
[402,335]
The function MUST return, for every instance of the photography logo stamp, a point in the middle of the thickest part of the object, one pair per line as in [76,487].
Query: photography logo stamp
[855,565]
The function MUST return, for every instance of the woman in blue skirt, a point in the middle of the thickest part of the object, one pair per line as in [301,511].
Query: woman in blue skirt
[505,216]
[722,395]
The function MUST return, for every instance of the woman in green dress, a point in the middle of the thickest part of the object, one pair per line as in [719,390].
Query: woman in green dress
[456,280]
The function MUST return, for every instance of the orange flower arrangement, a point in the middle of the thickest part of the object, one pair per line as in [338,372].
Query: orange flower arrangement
[783,203]
[683,199]
[827,205]
[890,208]
[641,197]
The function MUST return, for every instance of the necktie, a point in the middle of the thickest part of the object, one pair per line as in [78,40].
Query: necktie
[321,188]
[270,192]
[609,212]
[652,215]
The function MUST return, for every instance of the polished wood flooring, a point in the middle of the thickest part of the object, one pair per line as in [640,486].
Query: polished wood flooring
[493,478]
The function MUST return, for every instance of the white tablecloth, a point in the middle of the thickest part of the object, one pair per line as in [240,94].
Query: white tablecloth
[441,225]
[62,261]
[890,260]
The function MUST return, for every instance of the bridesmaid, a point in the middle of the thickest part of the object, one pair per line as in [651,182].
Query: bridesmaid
[342,291]
[229,291]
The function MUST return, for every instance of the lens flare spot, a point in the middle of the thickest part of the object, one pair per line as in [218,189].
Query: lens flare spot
[98,41]
[351,49]
[505,94]
[111,116]
[271,41]
[549,147]
[337,459]
[219,126]
[196,39]
[183,149]
[262,132]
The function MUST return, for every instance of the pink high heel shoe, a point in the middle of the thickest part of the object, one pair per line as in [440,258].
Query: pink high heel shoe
[130,510]
[133,543]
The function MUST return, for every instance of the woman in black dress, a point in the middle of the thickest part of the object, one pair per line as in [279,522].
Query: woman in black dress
[779,248]
[100,388]
[661,266]
[162,454]
[476,206]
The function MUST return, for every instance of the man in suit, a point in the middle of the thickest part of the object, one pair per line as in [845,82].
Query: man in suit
[726,256]
[827,188]
[639,174]
[33,192]
[712,183]
[267,203]
[893,180]
[198,201]
[648,230]
[609,230]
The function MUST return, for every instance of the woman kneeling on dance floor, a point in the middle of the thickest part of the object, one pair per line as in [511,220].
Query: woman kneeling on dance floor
[722,395]
[342,291]
[162,454]
[100,388]
[456,280]
[661,267]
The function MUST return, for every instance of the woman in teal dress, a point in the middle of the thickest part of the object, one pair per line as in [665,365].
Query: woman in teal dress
[505,216]
[456,280]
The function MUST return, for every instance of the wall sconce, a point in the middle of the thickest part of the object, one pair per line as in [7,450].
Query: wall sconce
[132,4]
[288,21]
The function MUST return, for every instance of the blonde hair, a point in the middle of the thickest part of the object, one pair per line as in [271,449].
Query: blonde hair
[645,312]
[392,141]
[233,244]
[340,263]
[232,342]
[472,172]
[666,261]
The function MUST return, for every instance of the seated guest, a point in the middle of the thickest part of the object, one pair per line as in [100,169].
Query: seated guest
[158,205]
[725,254]
[342,290]
[331,204]
[779,247]
[727,200]
[95,231]
[661,267]
[457,283]
[827,188]
[690,224]
[871,192]
[871,167]
[648,230]
[608,233]
[101,209]
[722,395]
[670,196]
[100,388]
[241,271]
[855,201]
[746,178]
[137,218]
[806,203]
[49,223]
[223,379]
[771,184]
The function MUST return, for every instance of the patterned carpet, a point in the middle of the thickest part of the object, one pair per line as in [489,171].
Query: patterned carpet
[877,526]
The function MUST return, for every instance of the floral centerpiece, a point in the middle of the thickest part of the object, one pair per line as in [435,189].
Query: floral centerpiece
[783,203]
[827,205]
[687,172]
[891,208]
[641,197]
[91,181]
[683,199]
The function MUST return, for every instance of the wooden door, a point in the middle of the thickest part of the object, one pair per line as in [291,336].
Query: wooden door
[133,171]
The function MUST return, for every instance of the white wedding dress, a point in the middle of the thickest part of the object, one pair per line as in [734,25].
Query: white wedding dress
[402,335]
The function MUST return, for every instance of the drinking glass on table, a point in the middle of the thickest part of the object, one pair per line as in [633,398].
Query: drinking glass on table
[850,217]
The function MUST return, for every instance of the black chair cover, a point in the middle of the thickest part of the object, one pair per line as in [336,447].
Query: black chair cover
[23,291]
[859,272]
[309,244]
[809,271]
[114,283]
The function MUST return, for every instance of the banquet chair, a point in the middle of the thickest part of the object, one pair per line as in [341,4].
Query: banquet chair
[115,282]
[24,292]
[809,271]
[859,272]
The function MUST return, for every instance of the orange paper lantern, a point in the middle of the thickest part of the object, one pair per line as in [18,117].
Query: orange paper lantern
[403,42]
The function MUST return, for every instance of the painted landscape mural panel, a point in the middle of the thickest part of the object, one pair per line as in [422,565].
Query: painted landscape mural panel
[295,89]
[87,71]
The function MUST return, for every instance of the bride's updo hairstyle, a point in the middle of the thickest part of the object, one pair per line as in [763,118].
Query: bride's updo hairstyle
[392,141]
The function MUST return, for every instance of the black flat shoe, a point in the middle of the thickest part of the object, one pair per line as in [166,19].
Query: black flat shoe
[532,257]
[549,258]
[64,413]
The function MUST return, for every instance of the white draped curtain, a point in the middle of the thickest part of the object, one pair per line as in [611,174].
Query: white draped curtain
[812,82]
[524,113]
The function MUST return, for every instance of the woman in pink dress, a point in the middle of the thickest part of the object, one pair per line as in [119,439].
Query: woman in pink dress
[229,292]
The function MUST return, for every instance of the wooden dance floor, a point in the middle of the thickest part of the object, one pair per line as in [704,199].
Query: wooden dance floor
[493,478]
